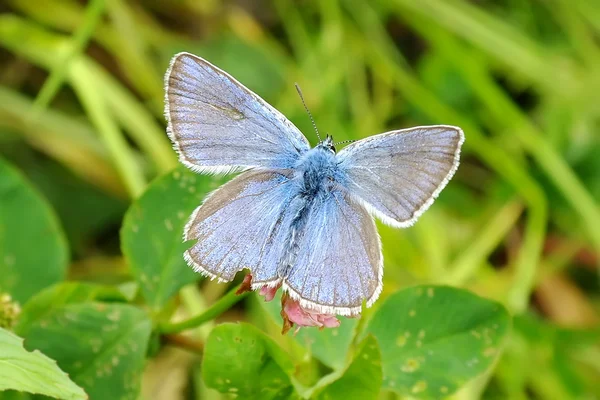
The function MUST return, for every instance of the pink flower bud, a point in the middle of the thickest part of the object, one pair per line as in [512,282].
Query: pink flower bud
[269,292]
[291,310]
[293,313]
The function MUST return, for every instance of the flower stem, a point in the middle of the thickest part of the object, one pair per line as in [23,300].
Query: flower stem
[220,306]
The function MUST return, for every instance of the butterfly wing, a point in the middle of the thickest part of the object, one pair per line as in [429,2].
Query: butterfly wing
[397,175]
[217,125]
[241,225]
[338,262]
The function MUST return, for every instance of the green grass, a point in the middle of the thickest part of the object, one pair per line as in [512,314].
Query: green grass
[81,94]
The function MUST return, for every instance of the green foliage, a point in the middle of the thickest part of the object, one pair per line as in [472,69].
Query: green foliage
[63,294]
[433,339]
[241,360]
[82,132]
[362,379]
[152,230]
[554,352]
[33,250]
[33,372]
[436,338]
[101,346]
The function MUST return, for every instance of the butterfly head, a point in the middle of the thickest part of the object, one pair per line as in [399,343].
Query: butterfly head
[328,144]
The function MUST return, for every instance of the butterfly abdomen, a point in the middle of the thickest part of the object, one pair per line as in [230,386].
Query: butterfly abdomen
[315,175]
[291,247]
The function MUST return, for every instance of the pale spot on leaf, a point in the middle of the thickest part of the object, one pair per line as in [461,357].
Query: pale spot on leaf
[411,365]
[114,316]
[401,340]
[419,387]
[9,260]
[489,352]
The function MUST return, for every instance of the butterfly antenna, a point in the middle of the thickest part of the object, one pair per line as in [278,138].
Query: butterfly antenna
[307,111]
[345,141]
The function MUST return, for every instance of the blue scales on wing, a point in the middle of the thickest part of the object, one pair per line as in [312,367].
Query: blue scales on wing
[338,261]
[243,224]
[217,125]
[397,175]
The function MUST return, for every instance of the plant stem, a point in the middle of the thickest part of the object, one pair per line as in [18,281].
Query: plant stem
[185,342]
[223,304]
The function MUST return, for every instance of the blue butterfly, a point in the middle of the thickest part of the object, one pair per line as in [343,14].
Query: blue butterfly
[299,217]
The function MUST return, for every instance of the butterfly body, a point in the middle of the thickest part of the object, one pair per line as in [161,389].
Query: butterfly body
[297,217]
[309,183]
[317,171]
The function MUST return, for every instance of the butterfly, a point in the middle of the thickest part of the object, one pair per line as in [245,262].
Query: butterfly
[297,217]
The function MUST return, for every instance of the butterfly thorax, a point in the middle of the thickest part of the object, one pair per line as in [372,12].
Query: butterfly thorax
[317,171]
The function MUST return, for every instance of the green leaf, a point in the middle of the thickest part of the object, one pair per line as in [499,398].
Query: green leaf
[241,360]
[62,294]
[152,231]
[362,379]
[102,346]
[33,249]
[436,338]
[33,372]
[330,346]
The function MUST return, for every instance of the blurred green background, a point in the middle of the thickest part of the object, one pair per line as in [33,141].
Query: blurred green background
[81,115]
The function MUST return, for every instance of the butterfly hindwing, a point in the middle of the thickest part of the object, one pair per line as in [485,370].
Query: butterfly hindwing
[397,175]
[241,225]
[338,262]
[217,125]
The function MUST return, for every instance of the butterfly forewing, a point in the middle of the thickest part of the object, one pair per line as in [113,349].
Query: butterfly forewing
[397,175]
[217,125]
